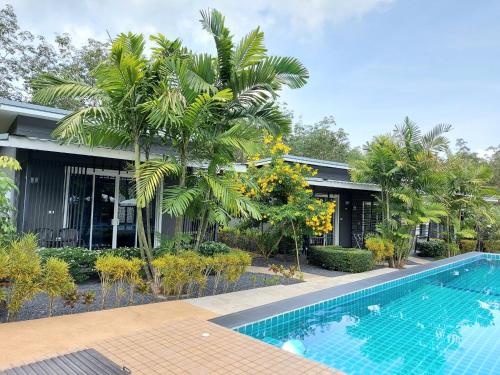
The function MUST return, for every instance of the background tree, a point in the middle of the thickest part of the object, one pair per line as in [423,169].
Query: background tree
[23,56]
[463,194]
[7,188]
[321,141]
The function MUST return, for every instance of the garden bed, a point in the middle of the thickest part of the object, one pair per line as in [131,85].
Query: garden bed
[37,307]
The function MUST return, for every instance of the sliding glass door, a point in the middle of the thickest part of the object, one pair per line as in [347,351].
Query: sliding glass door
[127,210]
[101,209]
[103,212]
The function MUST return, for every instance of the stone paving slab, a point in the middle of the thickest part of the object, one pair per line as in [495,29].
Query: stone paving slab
[196,347]
[33,340]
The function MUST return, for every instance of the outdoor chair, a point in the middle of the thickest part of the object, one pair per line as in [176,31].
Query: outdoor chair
[358,239]
[45,237]
[69,237]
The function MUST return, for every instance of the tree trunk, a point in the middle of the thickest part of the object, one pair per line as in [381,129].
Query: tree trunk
[179,221]
[296,246]
[202,230]
[141,235]
[148,214]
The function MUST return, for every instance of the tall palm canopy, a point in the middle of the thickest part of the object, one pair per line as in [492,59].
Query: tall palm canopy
[405,165]
[210,109]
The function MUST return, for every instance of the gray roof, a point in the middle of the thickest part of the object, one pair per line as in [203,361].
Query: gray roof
[35,107]
[309,161]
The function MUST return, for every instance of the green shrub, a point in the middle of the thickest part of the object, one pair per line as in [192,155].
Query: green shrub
[253,240]
[56,280]
[467,245]
[491,246]
[210,248]
[80,261]
[245,239]
[433,248]
[341,259]
[381,248]
[123,252]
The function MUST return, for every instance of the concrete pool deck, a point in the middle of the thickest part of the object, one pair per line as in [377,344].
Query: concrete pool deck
[168,337]
[229,303]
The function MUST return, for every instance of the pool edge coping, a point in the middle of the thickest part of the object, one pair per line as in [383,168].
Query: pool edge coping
[264,312]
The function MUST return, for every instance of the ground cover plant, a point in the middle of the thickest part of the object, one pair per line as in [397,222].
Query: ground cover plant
[36,286]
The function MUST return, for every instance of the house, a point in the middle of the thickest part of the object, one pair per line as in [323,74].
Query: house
[75,195]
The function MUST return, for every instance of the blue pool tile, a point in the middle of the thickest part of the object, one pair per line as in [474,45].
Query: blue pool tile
[434,322]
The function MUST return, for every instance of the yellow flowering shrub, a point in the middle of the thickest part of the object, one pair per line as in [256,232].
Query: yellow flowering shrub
[320,216]
[380,247]
[286,186]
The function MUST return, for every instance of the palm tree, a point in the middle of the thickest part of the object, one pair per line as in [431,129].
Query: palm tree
[226,100]
[463,194]
[116,114]
[405,165]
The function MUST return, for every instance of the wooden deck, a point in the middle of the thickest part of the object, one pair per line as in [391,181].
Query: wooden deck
[83,362]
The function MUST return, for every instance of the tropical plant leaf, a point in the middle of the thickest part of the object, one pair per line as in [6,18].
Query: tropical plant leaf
[151,175]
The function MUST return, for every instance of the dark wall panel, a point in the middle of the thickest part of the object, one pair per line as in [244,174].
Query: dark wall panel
[333,173]
[33,127]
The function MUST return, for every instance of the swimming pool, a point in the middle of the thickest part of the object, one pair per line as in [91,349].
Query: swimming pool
[445,320]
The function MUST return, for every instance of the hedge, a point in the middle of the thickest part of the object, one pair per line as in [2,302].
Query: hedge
[81,261]
[467,246]
[433,248]
[210,248]
[491,246]
[241,239]
[341,259]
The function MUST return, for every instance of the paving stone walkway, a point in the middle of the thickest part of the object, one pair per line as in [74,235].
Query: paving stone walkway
[233,302]
[195,347]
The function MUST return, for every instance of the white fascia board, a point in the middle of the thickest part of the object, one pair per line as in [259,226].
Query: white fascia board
[17,110]
[343,184]
[307,161]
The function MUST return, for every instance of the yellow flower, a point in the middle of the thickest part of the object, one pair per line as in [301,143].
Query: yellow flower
[268,139]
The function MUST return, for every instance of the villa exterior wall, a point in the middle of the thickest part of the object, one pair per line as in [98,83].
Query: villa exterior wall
[354,220]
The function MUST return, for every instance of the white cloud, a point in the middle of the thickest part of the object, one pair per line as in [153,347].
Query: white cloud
[176,18]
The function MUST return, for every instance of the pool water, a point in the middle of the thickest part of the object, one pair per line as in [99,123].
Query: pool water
[446,323]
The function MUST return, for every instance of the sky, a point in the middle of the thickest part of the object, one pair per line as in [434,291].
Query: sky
[371,62]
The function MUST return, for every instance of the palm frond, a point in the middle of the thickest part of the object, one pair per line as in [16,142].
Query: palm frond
[76,127]
[250,50]
[151,175]
[177,200]
[240,137]
[204,66]
[434,139]
[213,21]
[289,71]
[49,87]
[269,117]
